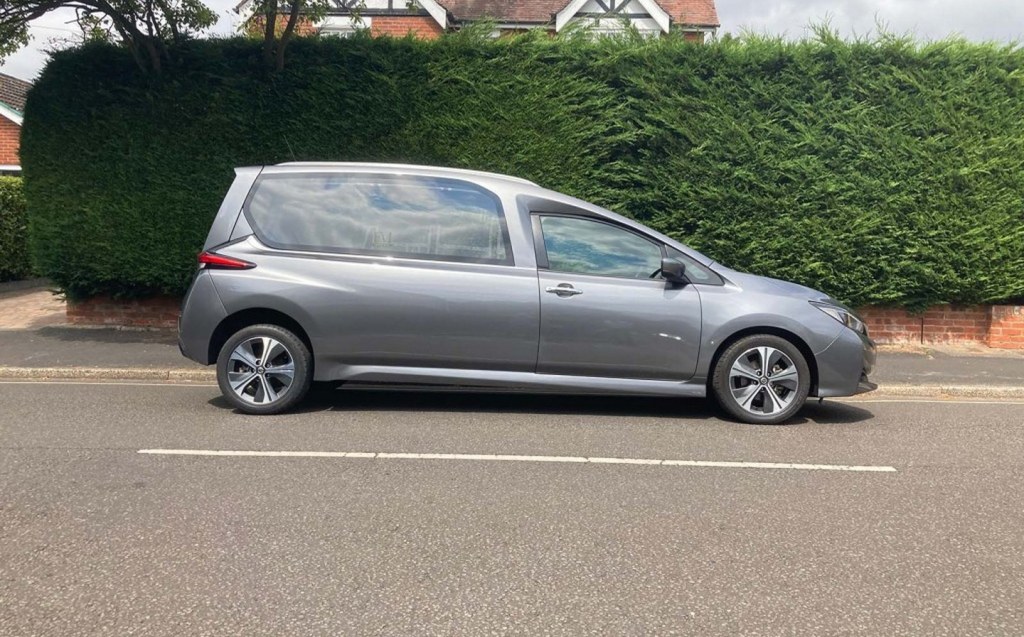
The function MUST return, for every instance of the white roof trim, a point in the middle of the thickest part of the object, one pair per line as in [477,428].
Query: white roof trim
[436,11]
[10,167]
[653,9]
[562,17]
[10,114]
[659,15]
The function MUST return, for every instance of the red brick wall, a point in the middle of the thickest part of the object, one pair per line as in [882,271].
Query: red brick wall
[10,134]
[890,325]
[399,26]
[999,326]
[694,36]
[996,325]
[154,312]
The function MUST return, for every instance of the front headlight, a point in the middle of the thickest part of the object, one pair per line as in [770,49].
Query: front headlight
[842,315]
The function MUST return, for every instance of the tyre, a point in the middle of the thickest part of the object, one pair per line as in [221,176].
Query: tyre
[761,379]
[264,369]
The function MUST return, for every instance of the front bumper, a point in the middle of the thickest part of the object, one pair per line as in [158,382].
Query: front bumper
[844,366]
[864,386]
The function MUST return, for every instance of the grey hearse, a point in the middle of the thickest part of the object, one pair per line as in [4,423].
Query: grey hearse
[375,273]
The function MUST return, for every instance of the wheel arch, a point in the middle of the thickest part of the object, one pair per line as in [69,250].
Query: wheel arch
[253,316]
[795,340]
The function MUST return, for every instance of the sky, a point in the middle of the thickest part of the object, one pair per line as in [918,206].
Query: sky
[998,20]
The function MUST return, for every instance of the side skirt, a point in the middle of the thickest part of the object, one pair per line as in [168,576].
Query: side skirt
[521,381]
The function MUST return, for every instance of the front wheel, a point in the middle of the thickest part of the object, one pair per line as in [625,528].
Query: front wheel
[761,379]
[264,369]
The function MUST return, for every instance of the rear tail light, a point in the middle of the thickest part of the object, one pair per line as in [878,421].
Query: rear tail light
[213,260]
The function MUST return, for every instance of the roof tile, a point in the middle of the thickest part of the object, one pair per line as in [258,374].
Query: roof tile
[13,91]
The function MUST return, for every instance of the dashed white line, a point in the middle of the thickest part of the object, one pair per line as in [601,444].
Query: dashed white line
[386,455]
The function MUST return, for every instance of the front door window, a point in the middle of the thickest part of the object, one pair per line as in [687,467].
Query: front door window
[584,246]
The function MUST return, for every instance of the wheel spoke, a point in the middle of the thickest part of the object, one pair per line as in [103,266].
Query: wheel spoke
[267,392]
[744,395]
[240,380]
[769,356]
[787,378]
[271,350]
[243,353]
[284,373]
[771,399]
[762,356]
[740,370]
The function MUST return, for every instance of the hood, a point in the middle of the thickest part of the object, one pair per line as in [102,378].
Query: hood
[772,286]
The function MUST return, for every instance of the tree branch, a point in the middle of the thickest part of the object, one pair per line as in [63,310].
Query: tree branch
[269,30]
[289,30]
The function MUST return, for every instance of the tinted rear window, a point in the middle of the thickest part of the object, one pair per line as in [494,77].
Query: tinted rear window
[411,217]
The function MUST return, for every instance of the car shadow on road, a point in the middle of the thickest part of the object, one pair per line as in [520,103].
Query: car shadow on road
[341,400]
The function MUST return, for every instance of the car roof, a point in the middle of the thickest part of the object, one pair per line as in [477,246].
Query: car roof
[414,169]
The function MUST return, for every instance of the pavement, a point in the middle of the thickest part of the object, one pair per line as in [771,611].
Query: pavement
[36,342]
[442,514]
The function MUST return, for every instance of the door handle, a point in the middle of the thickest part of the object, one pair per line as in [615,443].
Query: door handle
[563,289]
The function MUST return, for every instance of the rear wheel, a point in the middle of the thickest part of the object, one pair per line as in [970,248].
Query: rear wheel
[264,369]
[761,379]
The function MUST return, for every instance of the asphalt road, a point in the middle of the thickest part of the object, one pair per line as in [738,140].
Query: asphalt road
[98,539]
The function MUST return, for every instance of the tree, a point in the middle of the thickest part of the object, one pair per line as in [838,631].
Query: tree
[276,34]
[145,27]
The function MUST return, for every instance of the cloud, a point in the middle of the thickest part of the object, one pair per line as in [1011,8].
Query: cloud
[998,20]
[57,28]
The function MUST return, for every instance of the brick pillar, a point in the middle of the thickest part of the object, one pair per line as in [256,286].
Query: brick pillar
[1006,326]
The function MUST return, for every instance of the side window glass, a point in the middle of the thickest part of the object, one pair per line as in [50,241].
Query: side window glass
[591,247]
[378,215]
[695,272]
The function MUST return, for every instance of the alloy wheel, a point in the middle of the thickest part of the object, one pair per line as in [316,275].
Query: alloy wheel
[764,381]
[261,370]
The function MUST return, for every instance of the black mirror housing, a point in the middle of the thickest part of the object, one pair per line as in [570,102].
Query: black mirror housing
[673,270]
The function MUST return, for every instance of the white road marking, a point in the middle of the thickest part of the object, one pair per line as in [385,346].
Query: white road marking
[931,401]
[384,455]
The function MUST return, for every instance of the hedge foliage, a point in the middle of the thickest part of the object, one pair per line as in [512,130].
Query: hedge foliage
[882,171]
[14,260]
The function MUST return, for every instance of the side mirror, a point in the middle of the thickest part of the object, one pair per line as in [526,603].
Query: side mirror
[673,270]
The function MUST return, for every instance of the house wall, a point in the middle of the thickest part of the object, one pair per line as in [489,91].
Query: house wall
[399,26]
[10,136]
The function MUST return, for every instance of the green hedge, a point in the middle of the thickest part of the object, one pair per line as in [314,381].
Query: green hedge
[14,261]
[883,172]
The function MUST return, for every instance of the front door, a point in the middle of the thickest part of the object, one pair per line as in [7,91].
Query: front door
[604,308]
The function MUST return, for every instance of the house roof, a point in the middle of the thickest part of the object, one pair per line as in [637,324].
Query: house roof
[13,91]
[505,10]
[699,13]
[687,12]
